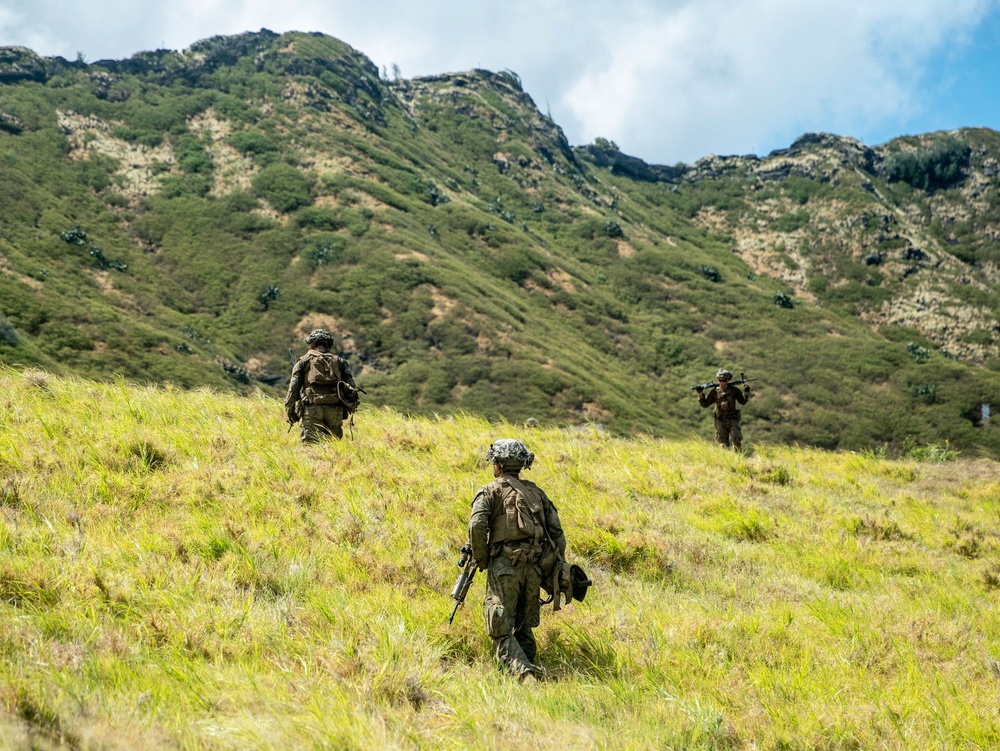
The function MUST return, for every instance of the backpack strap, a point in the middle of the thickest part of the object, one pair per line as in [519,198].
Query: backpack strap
[519,486]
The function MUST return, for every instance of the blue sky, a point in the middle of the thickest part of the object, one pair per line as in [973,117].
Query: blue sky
[963,85]
[668,80]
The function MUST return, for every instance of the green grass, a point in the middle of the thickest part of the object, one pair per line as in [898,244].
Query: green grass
[177,571]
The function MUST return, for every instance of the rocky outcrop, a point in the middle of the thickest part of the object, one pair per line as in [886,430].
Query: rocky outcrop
[21,64]
[458,91]
[630,166]
[851,151]
[802,158]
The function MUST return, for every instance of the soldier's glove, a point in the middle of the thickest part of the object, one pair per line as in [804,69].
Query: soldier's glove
[699,389]
[293,416]
[746,391]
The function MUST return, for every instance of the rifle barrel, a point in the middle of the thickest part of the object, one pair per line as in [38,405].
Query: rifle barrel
[715,384]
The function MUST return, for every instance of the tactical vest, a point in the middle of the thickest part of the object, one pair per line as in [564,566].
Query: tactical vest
[517,515]
[322,375]
[725,402]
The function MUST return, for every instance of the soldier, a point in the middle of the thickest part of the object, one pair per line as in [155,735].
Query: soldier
[321,391]
[513,525]
[727,416]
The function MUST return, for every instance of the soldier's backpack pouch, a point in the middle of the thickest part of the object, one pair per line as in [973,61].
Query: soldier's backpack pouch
[324,370]
[322,379]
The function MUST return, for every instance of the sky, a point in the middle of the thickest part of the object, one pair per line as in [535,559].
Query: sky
[667,80]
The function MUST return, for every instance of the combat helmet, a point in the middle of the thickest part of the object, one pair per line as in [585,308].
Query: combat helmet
[723,373]
[509,452]
[319,336]
[581,582]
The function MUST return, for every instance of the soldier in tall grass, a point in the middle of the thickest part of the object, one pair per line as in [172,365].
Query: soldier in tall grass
[725,396]
[321,391]
[513,526]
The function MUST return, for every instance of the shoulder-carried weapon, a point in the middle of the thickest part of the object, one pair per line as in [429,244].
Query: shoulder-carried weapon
[713,384]
[468,565]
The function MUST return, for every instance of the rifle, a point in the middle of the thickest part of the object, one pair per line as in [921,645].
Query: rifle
[351,402]
[291,356]
[468,565]
[738,382]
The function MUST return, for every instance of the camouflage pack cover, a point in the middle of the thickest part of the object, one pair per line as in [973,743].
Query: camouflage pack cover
[509,452]
[319,335]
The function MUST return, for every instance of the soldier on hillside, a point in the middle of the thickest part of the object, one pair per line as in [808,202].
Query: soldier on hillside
[513,525]
[727,416]
[321,391]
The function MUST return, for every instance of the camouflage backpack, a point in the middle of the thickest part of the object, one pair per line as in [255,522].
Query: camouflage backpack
[323,374]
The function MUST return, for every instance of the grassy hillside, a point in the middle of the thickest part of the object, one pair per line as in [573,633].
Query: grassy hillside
[177,572]
[185,217]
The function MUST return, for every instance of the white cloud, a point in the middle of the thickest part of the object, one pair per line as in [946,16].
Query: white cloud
[752,75]
[668,80]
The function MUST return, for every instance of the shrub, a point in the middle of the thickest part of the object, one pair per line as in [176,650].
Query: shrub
[436,196]
[791,222]
[269,294]
[918,353]
[252,142]
[711,273]
[192,159]
[106,263]
[613,229]
[284,187]
[932,452]
[7,333]
[936,166]
[141,137]
[75,236]
[236,372]
[321,217]
[783,300]
[496,207]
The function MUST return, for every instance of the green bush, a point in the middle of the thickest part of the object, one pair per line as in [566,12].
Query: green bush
[320,217]
[791,222]
[284,187]
[253,142]
[936,166]
[269,294]
[7,334]
[141,137]
[192,157]
[918,353]
[783,300]
[711,273]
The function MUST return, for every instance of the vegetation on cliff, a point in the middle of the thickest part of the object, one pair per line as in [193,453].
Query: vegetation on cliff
[222,201]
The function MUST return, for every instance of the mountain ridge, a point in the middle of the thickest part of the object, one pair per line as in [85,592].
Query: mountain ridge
[470,259]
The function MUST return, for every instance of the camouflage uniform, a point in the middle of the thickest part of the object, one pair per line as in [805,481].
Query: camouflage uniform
[727,416]
[510,546]
[319,405]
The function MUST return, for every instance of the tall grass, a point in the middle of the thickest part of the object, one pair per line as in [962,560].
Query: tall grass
[177,571]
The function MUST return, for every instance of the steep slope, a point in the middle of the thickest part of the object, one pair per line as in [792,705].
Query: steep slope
[187,217]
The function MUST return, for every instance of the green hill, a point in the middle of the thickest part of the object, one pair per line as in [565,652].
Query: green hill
[185,217]
[177,572]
